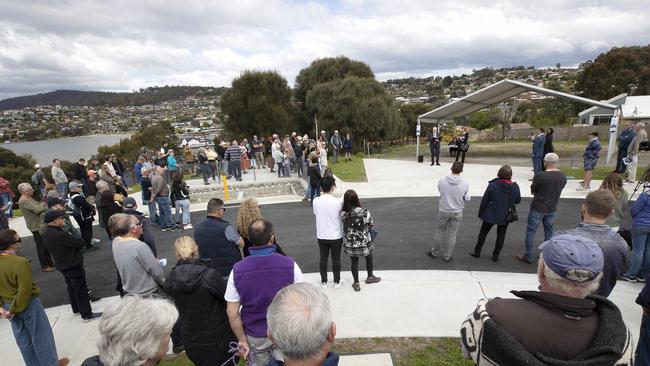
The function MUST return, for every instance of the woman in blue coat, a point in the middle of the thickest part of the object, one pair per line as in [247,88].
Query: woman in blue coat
[500,194]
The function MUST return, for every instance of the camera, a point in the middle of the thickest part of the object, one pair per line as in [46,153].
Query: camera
[644,146]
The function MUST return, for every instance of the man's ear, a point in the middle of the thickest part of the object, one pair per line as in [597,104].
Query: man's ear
[332,332]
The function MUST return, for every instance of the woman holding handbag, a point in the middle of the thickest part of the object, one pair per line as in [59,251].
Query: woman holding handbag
[498,208]
[357,241]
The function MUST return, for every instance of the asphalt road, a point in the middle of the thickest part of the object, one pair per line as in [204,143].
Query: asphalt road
[406,229]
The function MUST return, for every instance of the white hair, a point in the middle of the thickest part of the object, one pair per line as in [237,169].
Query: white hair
[132,330]
[24,187]
[101,185]
[552,158]
[581,286]
[299,320]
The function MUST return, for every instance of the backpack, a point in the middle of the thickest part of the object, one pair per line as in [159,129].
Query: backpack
[36,180]
[71,208]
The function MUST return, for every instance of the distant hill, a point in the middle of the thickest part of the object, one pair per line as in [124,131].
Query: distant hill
[150,95]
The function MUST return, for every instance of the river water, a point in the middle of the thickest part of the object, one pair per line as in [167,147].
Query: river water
[67,148]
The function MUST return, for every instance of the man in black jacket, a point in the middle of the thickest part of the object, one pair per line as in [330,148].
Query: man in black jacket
[66,251]
[82,211]
[80,174]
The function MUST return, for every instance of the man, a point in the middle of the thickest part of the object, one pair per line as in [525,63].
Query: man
[454,191]
[633,151]
[233,156]
[82,212]
[160,195]
[434,145]
[101,186]
[38,179]
[21,305]
[130,208]
[67,253]
[329,230]
[134,331]
[59,177]
[258,149]
[594,211]
[80,173]
[188,157]
[137,169]
[252,284]
[217,240]
[33,212]
[561,324]
[145,183]
[140,271]
[546,189]
[301,326]
[538,150]
[624,141]
[590,158]
[337,144]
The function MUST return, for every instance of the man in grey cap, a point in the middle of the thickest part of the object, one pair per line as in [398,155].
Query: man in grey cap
[82,211]
[559,323]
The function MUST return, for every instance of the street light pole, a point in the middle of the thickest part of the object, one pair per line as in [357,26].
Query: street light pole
[417,141]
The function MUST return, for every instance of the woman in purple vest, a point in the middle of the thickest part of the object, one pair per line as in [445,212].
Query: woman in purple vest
[357,241]
[198,292]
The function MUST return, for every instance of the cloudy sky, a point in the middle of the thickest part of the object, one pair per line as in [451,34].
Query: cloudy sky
[125,45]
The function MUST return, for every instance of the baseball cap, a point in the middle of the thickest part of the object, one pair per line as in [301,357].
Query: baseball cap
[129,202]
[37,166]
[53,215]
[74,184]
[567,252]
[53,201]
[91,172]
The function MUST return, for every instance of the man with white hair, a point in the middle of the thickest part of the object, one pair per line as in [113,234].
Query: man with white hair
[134,331]
[301,326]
[633,151]
[546,189]
[38,179]
[337,144]
[560,324]
[33,212]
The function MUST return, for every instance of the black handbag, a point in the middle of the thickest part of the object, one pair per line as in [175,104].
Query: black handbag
[512,214]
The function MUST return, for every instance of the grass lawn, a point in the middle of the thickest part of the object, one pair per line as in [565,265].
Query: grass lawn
[405,351]
[350,171]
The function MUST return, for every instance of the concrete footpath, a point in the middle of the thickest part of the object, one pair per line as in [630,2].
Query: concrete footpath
[411,303]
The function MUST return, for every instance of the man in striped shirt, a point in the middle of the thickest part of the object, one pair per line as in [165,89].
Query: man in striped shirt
[233,155]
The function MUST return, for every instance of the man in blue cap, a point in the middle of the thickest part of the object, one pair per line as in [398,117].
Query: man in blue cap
[561,322]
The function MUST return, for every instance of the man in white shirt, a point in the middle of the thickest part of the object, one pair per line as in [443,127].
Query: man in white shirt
[329,230]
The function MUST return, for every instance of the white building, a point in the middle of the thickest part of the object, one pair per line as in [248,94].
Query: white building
[635,108]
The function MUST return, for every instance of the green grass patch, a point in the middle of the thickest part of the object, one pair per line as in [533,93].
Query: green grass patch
[405,351]
[18,212]
[350,171]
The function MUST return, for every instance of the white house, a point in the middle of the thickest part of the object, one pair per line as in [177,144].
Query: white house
[635,108]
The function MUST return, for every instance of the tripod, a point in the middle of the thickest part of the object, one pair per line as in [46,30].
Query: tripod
[644,180]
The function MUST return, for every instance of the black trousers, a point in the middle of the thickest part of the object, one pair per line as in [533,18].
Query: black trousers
[458,155]
[86,229]
[325,246]
[501,236]
[620,165]
[75,281]
[435,153]
[44,256]
[355,267]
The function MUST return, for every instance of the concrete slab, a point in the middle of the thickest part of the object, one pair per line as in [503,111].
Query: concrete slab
[373,359]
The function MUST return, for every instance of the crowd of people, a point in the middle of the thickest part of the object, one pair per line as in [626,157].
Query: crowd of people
[234,292]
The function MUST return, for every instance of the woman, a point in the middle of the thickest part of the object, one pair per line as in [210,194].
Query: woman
[614,183]
[289,156]
[249,211]
[357,242]
[212,163]
[245,161]
[108,207]
[640,265]
[180,195]
[501,194]
[347,145]
[278,157]
[172,164]
[202,157]
[198,292]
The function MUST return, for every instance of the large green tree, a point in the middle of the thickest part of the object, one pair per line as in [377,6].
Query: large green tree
[358,106]
[620,70]
[259,102]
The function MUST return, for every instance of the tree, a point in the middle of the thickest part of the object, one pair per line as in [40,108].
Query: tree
[356,105]
[620,70]
[410,113]
[259,103]
[446,81]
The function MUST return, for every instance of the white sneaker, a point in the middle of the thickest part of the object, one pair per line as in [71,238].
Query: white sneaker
[95,240]
[188,226]
[338,284]
[323,284]
[583,188]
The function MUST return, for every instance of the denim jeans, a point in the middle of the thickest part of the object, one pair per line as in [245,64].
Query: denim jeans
[34,335]
[5,198]
[235,166]
[448,224]
[534,219]
[183,205]
[643,347]
[63,189]
[153,213]
[640,265]
[165,212]
[538,164]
